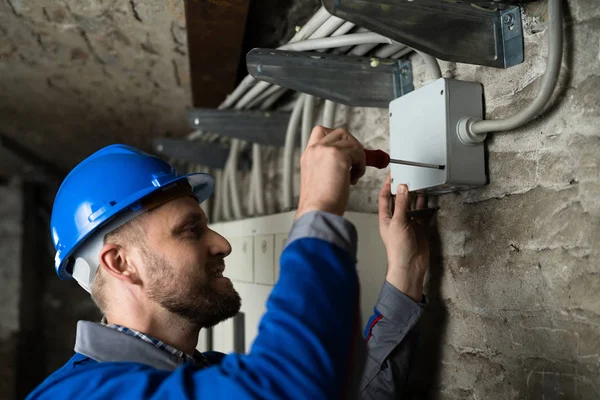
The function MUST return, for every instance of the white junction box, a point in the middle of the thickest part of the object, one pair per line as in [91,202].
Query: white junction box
[253,267]
[423,129]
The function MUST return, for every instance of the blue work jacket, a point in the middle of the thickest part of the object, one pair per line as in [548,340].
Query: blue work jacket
[308,345]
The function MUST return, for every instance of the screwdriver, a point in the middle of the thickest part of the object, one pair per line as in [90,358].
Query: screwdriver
[380,159]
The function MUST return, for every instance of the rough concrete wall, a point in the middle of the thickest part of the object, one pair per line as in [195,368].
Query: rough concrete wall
[10,254]
[79,75]
[515,310]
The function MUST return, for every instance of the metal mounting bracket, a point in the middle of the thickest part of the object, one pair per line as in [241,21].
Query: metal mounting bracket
[481,32]
[212,155]
[349,80]
[266,128]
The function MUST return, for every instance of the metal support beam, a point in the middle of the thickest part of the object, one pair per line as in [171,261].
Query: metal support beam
[482,32]
[350,80]
[212,155]
[266,128]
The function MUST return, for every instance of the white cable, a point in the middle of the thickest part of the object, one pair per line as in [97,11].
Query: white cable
[217,196]
[271,100]
[267,93]
[308,116]
[402,53]
[362,49]
[329,114]
[244,86]
[232,181]
[549,79]
[225,196]
[432,65]
[389,50]
[320,17]
[257,173]
[342,30]
[330,26]
[288,154]
[351,39]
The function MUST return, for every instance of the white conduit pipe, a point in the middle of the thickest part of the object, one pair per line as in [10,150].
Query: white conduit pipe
[362,49]
[217,196]
[231,169]
[271,100]
[288,154]
[225,195]
[329,114]
[549,80]
[330,26]
[389,50]
[257,180]
[315,22]
[432,65]
[267,93]
[244,86]
[402,53]
[352,39]
[308,116]
[342,30]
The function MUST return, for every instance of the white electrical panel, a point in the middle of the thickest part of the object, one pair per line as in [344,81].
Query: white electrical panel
[253,267]
[423,129]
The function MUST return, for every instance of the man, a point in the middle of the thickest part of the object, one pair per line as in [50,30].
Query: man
[130,231]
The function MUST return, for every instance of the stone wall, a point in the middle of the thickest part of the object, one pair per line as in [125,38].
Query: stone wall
[10,276]
[514,288]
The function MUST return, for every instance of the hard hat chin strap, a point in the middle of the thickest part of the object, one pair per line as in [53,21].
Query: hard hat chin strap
[87,257]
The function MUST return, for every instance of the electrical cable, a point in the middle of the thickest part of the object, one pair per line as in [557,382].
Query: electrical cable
[548,84]
[329,113]
[432,65]
[257,183]
[351,39]
[389,50]
[232,169]
[362,49]
[288,153]
[308,116]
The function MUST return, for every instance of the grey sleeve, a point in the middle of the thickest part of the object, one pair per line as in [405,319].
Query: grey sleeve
[326,226]
[391,341]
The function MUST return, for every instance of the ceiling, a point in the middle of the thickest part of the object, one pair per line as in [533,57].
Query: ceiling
[76,75]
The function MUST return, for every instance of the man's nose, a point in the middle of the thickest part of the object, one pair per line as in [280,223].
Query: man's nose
[219,246]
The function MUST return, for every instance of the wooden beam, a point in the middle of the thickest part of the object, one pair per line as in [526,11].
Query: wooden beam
[215,30]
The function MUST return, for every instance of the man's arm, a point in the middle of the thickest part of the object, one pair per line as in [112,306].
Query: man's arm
[305,339]
[391,340]
[390,334]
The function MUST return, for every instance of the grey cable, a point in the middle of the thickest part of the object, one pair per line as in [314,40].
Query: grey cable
[549,80]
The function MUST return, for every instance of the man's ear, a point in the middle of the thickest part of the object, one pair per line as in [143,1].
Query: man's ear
[115,261]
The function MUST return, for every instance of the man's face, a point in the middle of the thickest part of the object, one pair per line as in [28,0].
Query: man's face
[184,265]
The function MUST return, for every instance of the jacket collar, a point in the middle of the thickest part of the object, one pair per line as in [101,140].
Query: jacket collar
[105,344]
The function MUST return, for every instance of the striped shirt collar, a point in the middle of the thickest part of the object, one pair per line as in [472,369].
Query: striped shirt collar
[197,359]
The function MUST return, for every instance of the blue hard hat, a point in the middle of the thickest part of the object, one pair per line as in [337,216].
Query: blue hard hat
[109,182]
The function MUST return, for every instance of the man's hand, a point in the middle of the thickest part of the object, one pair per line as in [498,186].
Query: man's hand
[405,241]
[333,160]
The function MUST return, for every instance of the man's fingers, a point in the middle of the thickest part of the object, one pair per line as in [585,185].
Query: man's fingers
[343,140]
[402,205]
[317,134]
[421,205]
[385,195]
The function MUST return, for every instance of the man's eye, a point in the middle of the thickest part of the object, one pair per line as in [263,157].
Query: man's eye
[194,229]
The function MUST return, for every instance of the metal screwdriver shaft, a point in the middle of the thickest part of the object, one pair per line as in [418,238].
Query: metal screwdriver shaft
[380,159]
[417,164]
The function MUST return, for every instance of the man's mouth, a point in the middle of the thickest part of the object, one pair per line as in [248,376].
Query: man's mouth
[217,271]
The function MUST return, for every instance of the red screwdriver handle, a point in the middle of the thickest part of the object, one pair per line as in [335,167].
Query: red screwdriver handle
[377,158]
